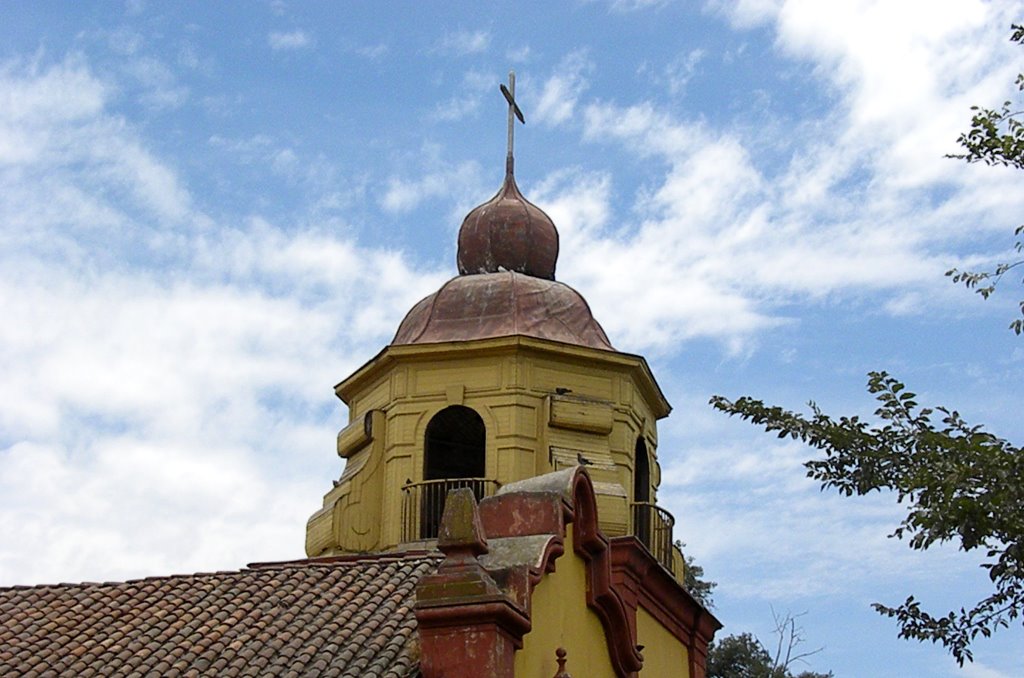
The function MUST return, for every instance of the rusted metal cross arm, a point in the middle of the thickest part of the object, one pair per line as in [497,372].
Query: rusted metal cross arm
[512,102]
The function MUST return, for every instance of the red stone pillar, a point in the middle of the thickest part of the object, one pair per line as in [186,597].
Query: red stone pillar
[468,627]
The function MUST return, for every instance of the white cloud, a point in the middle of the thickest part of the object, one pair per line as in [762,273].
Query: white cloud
[746,13]
[682,69]
[404,195]
[906,77]
[659,270]
[70,509]
[124,40]
[773,516]
[457,108]
[636,5]
[464,43]
[648,130]
[138,399]
[578,202]
[124,387]
[51,130]
[474,86]
[373,52]
[64,92]
[518,55]
[299,168]
[290,40]
[977,669]
[256,144]
[713,214]
[852,212]
[562,90]
[647,289]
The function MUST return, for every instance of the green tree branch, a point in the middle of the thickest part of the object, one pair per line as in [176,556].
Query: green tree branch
[959,482]
[996,137]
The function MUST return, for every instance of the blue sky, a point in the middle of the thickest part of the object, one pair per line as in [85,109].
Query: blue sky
[211,214]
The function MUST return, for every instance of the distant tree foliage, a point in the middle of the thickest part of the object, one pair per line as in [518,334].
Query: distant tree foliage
[959,482]
[738,656]
[694,582]
[744,656]
[996,137]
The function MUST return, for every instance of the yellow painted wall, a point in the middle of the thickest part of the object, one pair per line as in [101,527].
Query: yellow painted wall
[513,383]
[664,655]
[561,618]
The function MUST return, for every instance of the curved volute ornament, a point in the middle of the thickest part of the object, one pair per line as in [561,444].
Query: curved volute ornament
[508,232]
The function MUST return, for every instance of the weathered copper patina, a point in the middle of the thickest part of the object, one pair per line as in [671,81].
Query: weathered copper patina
[508,248]
[508,233]
[499,305]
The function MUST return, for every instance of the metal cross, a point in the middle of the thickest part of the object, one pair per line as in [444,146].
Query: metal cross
[513,113]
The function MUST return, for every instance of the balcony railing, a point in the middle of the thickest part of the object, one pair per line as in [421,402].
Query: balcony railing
[423,503]
[652,525]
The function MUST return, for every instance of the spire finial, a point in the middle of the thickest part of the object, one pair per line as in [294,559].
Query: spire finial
[513,113]
[560,658]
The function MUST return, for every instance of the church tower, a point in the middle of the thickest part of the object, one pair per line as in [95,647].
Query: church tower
[496,516]
[501,375]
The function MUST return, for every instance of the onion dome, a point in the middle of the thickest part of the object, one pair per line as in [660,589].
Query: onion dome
[506,285]
[502,304]
[508,233]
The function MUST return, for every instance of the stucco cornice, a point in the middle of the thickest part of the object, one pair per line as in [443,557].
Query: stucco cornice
[581,355]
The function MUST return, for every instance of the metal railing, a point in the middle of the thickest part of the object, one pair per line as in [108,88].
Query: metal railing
[423,503]
[652,525]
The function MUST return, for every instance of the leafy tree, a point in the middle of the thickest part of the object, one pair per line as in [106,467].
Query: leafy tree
[738,656]
[960,483]
[996,137]
[744,656]
[693,580]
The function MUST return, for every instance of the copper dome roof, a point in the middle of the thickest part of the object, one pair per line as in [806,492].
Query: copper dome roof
[508,248]
[508,233]
[502,304]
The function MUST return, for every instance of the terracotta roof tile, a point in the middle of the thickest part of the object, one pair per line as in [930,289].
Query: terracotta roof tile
[342,617]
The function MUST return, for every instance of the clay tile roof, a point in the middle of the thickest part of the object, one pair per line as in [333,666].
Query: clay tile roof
[325,617]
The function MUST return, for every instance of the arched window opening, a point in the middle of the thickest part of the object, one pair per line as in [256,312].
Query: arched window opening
[453,457]
[652,525]
[642,493]
[641,472]
[455,445]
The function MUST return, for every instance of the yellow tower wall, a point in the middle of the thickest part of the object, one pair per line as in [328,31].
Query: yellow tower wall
[545,406]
